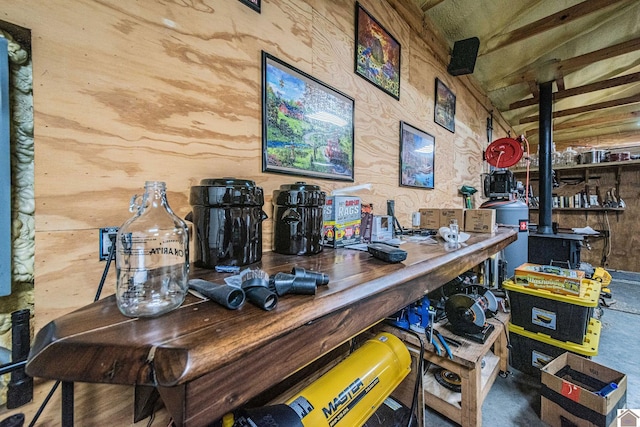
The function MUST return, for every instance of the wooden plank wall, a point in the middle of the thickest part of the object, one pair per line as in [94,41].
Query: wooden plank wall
[126,92]
[623,249]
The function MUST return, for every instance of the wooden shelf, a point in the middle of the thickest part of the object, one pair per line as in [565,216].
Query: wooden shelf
[604,165]
[584,209]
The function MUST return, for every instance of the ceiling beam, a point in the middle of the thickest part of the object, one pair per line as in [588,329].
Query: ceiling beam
[567,66]
[560,81]
[581,90]
[631,116]
[428,4]
[545,24]
[585,108]
[581,61]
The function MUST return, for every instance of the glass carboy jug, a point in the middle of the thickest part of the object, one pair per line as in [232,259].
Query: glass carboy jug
[152,256]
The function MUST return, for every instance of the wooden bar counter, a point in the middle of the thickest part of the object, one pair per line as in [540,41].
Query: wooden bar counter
[206,360]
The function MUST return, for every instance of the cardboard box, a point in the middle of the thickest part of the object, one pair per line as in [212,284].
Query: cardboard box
[559,280]
[571,396]
[480,220]
[429,218]
[446,215]
[341,221]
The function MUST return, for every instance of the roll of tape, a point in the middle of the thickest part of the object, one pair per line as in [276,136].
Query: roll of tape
[445,233]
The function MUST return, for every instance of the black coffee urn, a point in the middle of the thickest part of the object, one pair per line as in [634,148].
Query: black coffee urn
[227,217]
[297,219]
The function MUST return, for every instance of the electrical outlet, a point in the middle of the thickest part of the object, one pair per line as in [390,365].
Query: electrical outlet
[107,238]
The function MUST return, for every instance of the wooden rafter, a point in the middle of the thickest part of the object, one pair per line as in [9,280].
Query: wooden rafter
[545,24]
[585,108]
[568,65]
[602,119]
[560,81]
[580,90]
[428,4]
[534,88]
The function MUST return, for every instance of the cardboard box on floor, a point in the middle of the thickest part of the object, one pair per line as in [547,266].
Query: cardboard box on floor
[565,399]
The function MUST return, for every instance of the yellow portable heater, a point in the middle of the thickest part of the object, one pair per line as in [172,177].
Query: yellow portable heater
[346,396]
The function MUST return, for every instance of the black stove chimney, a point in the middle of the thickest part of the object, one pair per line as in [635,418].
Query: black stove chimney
[545,152]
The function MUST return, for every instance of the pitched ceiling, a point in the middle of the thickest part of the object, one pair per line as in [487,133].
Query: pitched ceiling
[590,49]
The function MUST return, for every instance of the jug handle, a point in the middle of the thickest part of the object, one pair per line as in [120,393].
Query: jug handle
[133,206]
[263,215]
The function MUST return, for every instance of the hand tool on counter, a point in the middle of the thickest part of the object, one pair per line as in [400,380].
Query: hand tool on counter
[443,341]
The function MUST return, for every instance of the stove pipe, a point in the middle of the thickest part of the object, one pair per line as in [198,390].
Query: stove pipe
[544,153]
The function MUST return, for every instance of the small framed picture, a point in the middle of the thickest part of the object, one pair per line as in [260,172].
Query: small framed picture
[377,54]
[445,107]
[417,153]
[253,4]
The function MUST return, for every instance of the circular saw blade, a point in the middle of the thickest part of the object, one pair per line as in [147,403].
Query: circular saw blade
[448,379]
[464,313]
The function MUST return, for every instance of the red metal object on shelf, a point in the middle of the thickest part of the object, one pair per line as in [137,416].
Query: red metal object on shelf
[504,152]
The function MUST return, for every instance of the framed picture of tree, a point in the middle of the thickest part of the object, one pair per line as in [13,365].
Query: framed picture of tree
[307,126]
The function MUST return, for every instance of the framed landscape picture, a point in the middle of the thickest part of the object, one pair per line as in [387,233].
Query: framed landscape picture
[445,107]
[417,153]
[307,126]
[253,4]
[377,54]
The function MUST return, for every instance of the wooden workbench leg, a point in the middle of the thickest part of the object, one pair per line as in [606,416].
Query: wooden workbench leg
[471,385]
[67,404]
[501,350]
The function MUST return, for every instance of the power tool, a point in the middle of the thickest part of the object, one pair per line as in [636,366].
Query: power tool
[346,396]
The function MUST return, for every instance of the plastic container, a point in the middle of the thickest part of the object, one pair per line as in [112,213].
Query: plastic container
[531,351]
[227,217]
[152,256]
[562,317]
[297,219]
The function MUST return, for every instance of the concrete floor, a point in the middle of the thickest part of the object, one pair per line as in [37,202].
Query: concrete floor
[515,400]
